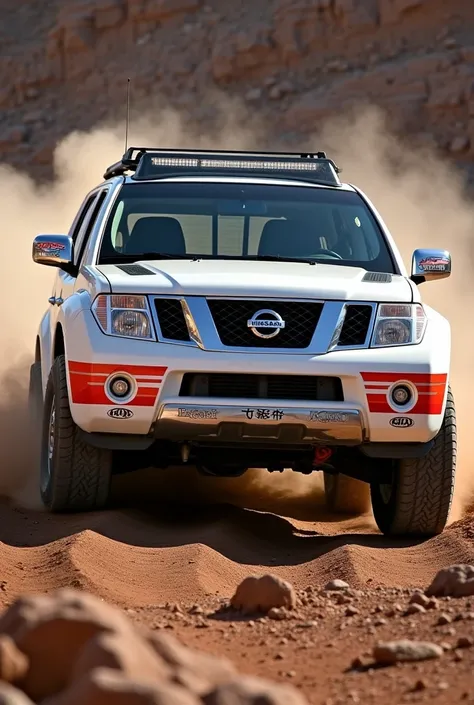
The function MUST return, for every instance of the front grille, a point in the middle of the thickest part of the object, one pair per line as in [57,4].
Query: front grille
[249,386]
[231,316]
[171,318]
[356,325]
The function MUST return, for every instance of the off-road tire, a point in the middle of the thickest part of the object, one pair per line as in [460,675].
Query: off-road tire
[345,495]
[421,491]
[78,477]
[35,405]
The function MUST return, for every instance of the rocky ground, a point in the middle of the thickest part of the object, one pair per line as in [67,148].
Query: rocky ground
[337,643]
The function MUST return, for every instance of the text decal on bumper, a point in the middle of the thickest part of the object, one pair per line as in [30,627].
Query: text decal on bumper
[430,388]
[88,382]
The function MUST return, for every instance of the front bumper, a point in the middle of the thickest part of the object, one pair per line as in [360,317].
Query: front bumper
[363,416]
[281,424]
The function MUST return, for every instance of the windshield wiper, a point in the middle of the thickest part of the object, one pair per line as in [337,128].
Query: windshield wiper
[279,258]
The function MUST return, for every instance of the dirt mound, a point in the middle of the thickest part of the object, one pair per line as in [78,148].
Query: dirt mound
[139,557]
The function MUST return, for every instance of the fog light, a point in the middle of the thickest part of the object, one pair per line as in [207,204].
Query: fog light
[120,387]
[401,395]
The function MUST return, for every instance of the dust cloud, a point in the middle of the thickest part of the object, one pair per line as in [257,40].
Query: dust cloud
[420,198]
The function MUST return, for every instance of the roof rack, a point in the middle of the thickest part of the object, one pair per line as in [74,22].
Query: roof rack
[148,164]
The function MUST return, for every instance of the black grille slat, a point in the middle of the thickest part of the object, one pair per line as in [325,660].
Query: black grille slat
[356,325]
[251,386]
[231,316]
[171,318]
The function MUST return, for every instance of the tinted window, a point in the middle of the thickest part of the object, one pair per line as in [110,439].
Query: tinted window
[239,221]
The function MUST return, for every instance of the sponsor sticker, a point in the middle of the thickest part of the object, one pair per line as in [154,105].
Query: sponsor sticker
[120,413]
[401,422]
[49,246]
[434,264]
[184,413]
[264,414]
[328,416]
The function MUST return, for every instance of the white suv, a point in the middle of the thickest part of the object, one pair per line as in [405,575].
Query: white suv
[240,309]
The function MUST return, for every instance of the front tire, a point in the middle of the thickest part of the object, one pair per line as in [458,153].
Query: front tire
[418,499]
[74,476]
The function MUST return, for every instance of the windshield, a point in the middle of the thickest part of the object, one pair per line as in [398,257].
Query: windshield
[243,221]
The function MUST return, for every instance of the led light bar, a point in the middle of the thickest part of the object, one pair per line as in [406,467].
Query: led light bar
[156,164]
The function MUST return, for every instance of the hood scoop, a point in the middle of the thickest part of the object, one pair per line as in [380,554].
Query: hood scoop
[377,277]
[134,270]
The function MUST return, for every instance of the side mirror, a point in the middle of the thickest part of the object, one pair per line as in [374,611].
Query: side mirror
[53,251]
[428,265]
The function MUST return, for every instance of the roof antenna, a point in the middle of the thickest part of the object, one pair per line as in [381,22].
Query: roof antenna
[128,115]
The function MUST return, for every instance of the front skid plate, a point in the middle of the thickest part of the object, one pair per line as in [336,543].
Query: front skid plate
[253,423]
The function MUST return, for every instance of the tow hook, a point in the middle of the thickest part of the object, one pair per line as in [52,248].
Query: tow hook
[321,456]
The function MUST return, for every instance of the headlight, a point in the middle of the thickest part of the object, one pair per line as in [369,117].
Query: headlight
[399,324]
[124,316]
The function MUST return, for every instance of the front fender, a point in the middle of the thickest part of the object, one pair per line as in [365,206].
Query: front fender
[72,307]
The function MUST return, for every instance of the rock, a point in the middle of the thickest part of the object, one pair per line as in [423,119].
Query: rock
[420,685]
[464,642]
[392,652]
[455,581]
[260,594]
[107,687]
[133,656]
[443,619]
[418,598]
[197,671]
[415,609]
[335,585]
[13,663]
[254,691]
[51,630]
[278,614]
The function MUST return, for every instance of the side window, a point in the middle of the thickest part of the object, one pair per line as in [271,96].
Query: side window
[81,216]
[87,224]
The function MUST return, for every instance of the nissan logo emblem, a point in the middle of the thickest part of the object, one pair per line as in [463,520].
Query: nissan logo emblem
[266,323]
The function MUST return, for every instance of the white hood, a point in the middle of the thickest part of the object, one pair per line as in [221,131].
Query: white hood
[244,278]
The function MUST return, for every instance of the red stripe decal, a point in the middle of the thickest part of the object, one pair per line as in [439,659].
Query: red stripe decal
[395,376]
[87,382]
[94,368]
[431,390]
